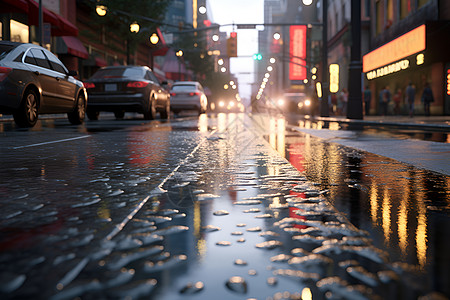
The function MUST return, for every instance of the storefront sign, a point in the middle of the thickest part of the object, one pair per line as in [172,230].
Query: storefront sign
[297,47]
[392,68]
[334,78]
[403,46]
[448,81]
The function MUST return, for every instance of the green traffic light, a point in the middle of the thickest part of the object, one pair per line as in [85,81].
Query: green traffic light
[257,56]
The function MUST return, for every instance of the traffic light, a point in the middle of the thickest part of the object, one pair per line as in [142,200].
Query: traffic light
[232,45]
[257,56]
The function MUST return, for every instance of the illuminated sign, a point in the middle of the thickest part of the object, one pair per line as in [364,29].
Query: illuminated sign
[403,46]
[297,52]
[392,68]
[448,81]
[334,78]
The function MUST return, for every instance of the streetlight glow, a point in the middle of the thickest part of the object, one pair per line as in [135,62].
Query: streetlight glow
[202,10]
[101,10]
[220,62]
[272,60]
[269,68]
[134,27]
[215,38]
[154,39]
[276,36]
[307,2]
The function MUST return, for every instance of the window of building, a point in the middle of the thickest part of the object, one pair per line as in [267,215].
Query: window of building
[389,13]
[405,8]
[379,17]
[19,32]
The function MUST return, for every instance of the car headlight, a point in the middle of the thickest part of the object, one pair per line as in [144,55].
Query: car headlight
[280,102]
[307,102]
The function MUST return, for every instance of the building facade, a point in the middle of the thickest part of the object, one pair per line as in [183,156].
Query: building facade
[409,45]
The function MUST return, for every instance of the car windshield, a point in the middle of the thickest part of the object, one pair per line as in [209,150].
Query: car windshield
[119,73]
[5,49]
[183,87]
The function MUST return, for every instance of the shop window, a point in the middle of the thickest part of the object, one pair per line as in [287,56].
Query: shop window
[19,32]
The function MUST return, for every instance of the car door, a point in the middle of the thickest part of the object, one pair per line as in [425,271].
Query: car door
[161,93]
[37,63]
[66,84]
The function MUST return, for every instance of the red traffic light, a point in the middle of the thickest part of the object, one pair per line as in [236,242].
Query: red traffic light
[233,34]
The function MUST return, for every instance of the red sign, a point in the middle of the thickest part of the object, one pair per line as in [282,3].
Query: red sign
[297,52]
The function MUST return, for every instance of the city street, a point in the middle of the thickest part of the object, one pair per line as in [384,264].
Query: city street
[227,206]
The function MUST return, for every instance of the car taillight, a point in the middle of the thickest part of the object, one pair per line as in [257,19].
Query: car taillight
[89,85]
[194,94]
[4,72]
[173,94]
[137,84]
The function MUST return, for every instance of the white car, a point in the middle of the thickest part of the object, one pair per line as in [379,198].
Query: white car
[188,95]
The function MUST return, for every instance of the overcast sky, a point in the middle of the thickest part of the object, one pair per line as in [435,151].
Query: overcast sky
[240,12]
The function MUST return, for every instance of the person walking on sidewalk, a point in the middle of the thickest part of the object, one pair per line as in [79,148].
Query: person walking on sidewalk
[410,95]
[385,98]
[427,98]
[397,100]
[367,99]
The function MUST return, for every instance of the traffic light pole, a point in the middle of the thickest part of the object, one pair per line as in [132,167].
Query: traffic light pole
[324,109]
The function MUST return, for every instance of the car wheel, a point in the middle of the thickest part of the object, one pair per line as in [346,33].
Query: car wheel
[93,115]
[119,114]
[77,116]
[27,114]
[150,110]
[166,112]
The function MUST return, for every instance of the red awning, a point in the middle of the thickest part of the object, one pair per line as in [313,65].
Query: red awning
[72,45]
[100,62]
[14,6]
[161,47]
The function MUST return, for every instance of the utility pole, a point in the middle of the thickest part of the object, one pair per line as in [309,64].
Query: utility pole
[324,109]
[355,107]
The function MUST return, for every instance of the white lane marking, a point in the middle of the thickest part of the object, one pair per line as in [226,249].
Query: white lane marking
[52,142]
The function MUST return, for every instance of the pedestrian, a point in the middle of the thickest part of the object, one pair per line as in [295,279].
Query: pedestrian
[367,99]
[385,98]
[410,95]
[427,98]
[342,102]
[397,100]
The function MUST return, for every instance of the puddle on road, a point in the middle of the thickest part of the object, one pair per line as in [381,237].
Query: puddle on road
[406,210]
[424,134]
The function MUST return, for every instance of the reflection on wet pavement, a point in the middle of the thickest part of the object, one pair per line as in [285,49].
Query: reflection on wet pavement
[228,218]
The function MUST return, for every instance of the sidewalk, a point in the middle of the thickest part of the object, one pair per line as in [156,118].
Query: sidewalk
[430,122]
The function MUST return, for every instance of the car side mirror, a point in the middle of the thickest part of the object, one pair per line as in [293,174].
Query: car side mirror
[73,73]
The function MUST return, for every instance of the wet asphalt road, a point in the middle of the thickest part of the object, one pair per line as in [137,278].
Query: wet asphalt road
[121,208]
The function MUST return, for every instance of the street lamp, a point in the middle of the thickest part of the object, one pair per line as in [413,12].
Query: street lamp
[154,39]
[101,10]
[134,27]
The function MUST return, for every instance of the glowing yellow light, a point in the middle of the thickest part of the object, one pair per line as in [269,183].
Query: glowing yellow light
[420,58]
[154,39]
[101,10]
[134,27]
[319,89]
[334,78]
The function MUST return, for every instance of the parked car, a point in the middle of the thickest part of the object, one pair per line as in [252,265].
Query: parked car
[34,81]
[121,89]
[188,95]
